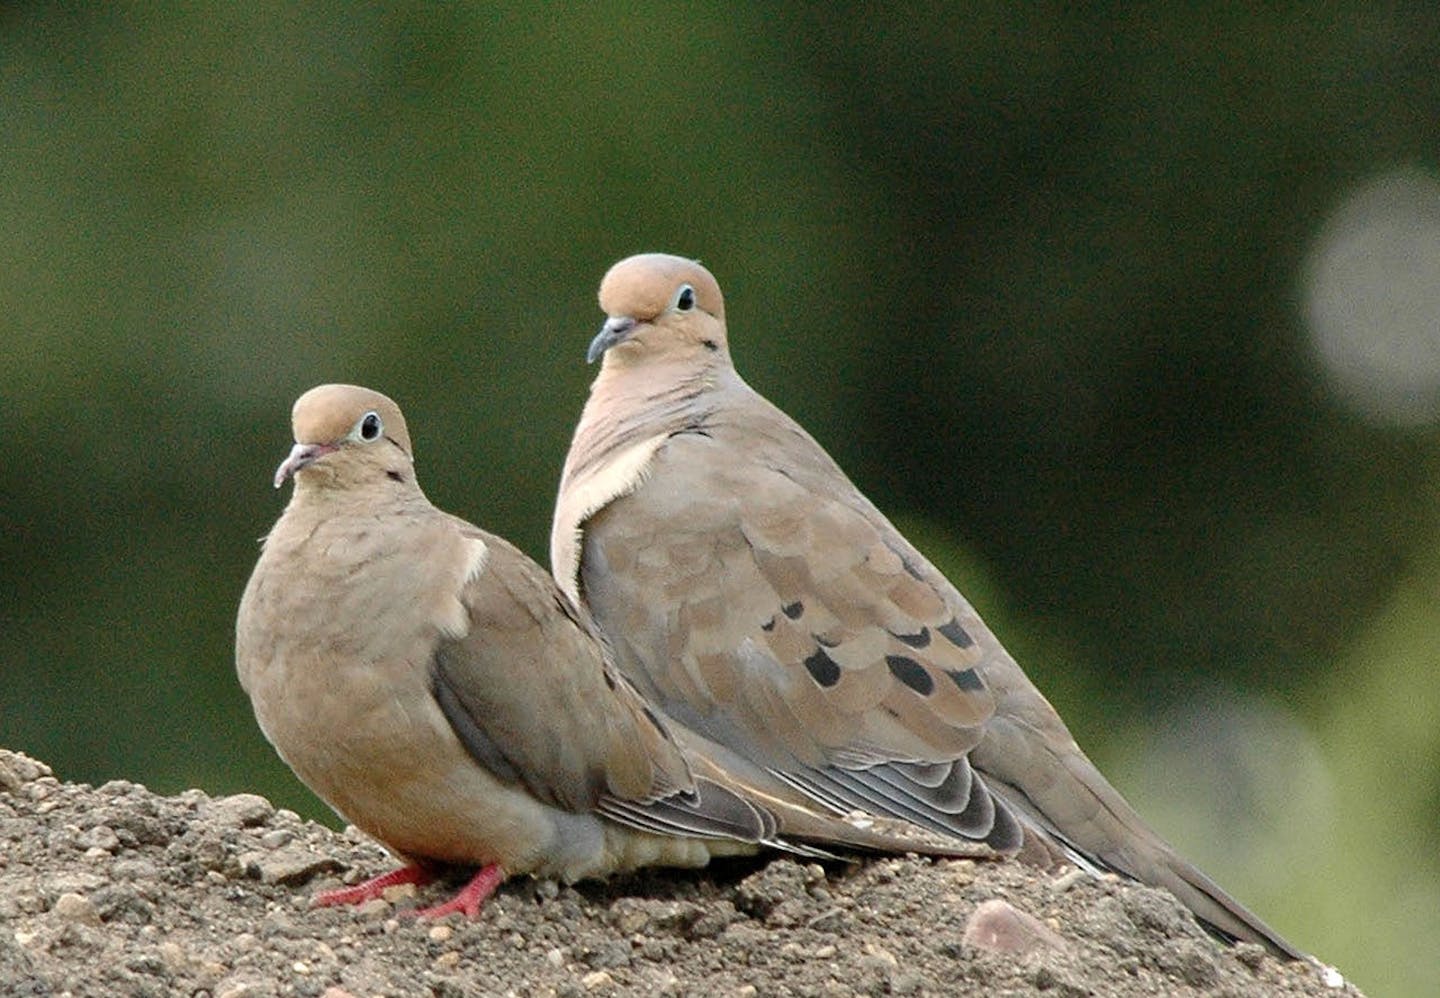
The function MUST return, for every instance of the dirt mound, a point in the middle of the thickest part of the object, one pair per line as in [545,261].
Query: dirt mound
[116,891]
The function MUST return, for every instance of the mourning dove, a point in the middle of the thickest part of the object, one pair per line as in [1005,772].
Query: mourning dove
[431,683]
[758,598]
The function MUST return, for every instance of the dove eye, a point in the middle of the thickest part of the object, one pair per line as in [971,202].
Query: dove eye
[370,426]
[685,298]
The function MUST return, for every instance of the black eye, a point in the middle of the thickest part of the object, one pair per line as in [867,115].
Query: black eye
[370,426]
[685,300]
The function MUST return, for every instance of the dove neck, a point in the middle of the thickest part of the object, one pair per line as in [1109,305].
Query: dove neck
[321,497]
[630,403]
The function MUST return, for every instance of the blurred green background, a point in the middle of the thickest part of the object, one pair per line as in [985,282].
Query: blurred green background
[1132,321]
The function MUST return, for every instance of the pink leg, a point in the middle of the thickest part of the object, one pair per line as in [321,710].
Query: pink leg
[374,887]
[471,896]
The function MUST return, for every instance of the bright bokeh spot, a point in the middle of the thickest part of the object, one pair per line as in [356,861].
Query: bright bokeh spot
[1372,298]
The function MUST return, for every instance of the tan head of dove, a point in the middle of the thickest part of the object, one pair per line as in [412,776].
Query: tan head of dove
[346,435]
[660,307]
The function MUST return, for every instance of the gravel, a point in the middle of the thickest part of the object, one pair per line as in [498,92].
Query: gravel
[113,890]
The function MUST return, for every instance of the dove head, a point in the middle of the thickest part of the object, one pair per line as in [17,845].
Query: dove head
[346,435]
[660,307]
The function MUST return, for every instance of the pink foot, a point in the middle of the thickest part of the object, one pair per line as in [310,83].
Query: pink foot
[374,887]
[471,897]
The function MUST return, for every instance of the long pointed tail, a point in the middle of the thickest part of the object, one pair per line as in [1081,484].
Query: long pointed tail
[1067,799]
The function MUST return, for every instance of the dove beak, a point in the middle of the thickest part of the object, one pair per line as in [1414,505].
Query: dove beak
[615,330]
[301,456]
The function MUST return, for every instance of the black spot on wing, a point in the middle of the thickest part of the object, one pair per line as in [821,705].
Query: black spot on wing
[919,639]
[793,610]
[911,673]
[967,679]
[768,626]
[956,634]
[822,668]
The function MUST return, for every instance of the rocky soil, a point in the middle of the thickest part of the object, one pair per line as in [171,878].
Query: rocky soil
[113,890]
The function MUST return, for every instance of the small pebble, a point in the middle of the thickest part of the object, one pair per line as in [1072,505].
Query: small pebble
[596,979]
[276,838]
[134,868]
[76,908]
[374,908]
[241,811]
[399,892]
[999,927]
[440,934]
[448,960]
[287,865]
[172,956]
[877,956]
[101,837]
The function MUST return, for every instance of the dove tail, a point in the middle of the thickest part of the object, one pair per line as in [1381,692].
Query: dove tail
[1104,833]
[1220,912]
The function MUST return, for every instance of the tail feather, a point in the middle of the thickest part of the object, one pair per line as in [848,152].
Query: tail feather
[1098,830]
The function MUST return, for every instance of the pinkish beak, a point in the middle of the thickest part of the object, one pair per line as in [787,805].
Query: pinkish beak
[301,456]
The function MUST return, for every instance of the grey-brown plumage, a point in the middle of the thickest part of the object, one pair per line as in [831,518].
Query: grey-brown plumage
[431,683]
[752,592]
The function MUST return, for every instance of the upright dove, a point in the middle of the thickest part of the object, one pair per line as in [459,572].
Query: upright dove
[430,682]
[753,593]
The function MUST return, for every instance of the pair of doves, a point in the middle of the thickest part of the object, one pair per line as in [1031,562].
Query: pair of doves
[737,650]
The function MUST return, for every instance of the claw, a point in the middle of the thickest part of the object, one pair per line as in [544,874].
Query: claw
[471,897]
[373,888]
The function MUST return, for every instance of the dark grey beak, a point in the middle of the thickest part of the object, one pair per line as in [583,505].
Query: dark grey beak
[615,330]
